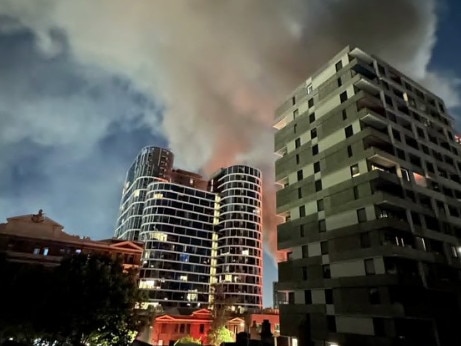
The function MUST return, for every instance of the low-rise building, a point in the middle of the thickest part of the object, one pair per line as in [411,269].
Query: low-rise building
[35,238]
[180,322]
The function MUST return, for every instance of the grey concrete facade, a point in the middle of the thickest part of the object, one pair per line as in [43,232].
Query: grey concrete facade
[370,189]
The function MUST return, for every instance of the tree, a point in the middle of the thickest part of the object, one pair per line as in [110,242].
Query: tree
[86,299]
[94,301]
[220,307]
[24,290]
[187,341]
[219,335]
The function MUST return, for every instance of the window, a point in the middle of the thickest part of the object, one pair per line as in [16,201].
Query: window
[291,297]
[297,159]
[379,327]
[297,142]
[300,193]
[300,174]
[331,324]
[343,97]
[311,118]
[356,192]
[369,266]
[365,240]
[182,328]
[396,135]
[36,251]
[305,251]
[326,271]
[315,150]
[400,153]
[302,211]
[324,247]
[340,83]
[349,151]
[45,251]
[329,296]
[295,113]
[304,270]
[318,185]
[301,231]
[373,296]
[405,174]
[339,65]
[313,133]
[344,114]
[293,100]
[361,215]
[348,131]
[355,170]
[322,226]
[309,89]
[295,127]
[307,297]
[320,205]
[316,167]
[310,103]
[202,329]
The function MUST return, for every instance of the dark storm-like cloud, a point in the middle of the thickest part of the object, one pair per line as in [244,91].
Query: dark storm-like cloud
[68,131]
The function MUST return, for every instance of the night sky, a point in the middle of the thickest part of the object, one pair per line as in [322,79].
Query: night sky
[83,87]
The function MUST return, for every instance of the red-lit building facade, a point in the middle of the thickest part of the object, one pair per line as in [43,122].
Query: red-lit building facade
[35,238]
[254,321]
[181,322]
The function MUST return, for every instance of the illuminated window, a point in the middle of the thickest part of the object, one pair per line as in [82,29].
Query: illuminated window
[159,236]
[355,170]
[228,277]
[45,251]
[419,179]
[36,251]
[192,296]
[158,195]
[136,193]
[147,284]
[183,278]
[245,252]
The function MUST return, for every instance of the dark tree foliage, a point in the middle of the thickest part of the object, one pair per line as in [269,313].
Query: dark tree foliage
[86,299]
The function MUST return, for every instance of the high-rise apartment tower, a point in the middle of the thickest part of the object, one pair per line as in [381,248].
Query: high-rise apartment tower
[197,232]
[369,199]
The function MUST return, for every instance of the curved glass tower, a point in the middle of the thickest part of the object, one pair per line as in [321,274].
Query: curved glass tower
[177,228]
[151,164]
[239,233]
[196,232]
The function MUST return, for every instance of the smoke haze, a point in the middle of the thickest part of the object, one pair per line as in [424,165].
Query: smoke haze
[218,68]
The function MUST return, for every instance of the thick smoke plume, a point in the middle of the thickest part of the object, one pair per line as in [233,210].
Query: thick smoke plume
[222,67]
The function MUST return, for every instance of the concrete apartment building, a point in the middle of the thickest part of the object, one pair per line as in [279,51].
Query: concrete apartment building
[196,231]
[369,199]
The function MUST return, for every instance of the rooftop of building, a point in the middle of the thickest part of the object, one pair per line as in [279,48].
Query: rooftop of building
[40,226]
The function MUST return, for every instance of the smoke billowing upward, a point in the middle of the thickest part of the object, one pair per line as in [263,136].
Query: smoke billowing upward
[222,67]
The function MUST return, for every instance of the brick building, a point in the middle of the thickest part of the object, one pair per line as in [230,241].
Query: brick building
[35,238]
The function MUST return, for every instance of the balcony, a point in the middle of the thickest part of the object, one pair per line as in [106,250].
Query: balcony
[374,119]
[281,152]
[379,152]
